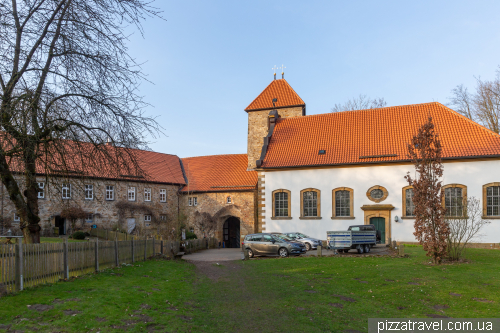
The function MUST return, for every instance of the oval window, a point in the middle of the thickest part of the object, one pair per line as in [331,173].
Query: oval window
[377,193]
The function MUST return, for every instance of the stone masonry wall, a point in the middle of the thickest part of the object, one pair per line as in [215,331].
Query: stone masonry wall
[105,214]
[257,130]
[242,207]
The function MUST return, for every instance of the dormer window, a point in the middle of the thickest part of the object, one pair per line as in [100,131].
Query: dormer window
[322,152]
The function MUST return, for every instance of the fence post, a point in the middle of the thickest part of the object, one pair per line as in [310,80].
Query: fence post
[145,248]
[116,253]
[154,249]
[133,250]
[161,245]
[107,234]
[65,259]
[96,254]
[19,264]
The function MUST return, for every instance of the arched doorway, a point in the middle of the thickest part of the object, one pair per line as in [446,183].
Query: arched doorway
[231,232]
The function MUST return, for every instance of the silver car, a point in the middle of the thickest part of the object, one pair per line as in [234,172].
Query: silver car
[309,242]
[268,244]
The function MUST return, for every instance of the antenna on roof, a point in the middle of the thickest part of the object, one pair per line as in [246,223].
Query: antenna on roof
[274,70]
[282,71]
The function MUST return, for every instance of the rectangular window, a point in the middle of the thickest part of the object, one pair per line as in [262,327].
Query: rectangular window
[66,191]
[41,190]
[493,201]
[89,192]
[410,207]
[131,194]
[110,192]
[147,218]
[190,201]
[163,195]
[195,201]
[342,203]
[163,217]
[453,201]
[147,194]
[89,218]
[310,203]
[281,204]
[17,218]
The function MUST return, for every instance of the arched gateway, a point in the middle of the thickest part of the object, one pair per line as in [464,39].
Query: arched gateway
[231,232]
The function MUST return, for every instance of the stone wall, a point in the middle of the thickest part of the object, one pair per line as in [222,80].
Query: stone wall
[242,206]
[258,129]
[105,213]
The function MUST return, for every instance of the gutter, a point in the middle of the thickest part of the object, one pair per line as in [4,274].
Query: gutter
[373,162]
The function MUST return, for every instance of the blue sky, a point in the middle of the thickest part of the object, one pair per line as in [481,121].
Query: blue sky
[210,59]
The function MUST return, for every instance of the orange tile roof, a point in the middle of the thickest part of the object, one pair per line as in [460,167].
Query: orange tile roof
[218,173]
[348,136]
[279,89]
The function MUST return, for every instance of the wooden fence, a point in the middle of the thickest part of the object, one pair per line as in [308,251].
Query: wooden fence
[29,265]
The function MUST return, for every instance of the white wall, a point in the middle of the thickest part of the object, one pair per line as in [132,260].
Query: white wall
[472,174]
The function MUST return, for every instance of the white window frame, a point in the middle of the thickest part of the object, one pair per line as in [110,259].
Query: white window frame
[89,192]
[147,194]
[195,201]
[163,195]
[41,194]
[163,217]
[110,193]
[66,191]
[229,200]
[131,193]
[147,218]
[91,220]
[17,218]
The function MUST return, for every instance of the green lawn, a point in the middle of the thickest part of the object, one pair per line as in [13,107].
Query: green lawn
[329,294]
[58,240]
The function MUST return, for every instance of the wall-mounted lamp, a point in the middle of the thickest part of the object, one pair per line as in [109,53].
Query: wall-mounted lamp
[396,218]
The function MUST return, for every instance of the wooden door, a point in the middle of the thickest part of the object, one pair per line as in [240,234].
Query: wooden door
[379,223]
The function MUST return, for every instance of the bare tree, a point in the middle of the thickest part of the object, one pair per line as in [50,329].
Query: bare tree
[481,106]
[68,86]
[431,230]
[362,102]
[463,230]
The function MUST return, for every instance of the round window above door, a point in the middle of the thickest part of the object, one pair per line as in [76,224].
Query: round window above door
[377,193]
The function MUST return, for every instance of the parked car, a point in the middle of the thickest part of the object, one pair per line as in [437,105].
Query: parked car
[366,227]
[309,242]
[269,244]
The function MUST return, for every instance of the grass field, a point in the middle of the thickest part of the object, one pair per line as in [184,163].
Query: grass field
[329,294]
[58,240]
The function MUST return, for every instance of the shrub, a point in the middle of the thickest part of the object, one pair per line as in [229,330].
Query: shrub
[79,235]
[190,235]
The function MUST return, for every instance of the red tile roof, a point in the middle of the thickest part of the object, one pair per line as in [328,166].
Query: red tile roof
[218,173]
[85,159]
[279,89]
[349,136]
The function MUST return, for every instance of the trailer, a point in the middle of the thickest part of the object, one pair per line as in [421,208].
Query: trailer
[343,241]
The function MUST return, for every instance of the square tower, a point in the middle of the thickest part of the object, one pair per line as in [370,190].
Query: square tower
[288,104]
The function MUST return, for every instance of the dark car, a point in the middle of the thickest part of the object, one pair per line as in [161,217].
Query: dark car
[269,244]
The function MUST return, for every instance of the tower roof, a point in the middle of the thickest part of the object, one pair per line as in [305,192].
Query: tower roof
[279,89]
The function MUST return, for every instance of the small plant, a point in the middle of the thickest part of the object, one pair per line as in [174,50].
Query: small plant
[79,235]
[191,235]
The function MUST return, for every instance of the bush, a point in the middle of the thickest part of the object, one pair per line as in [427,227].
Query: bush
[79,235]
[190,235]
